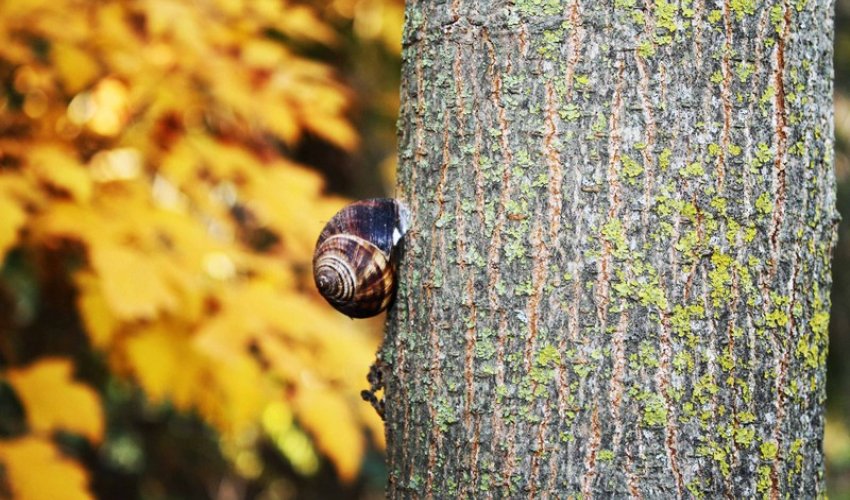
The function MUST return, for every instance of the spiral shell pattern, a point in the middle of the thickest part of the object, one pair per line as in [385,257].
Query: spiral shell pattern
[354,262]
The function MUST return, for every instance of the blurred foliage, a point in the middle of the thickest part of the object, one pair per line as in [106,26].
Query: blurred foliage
[159,330]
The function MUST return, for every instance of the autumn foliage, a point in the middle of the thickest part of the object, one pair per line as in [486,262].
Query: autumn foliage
[148,199]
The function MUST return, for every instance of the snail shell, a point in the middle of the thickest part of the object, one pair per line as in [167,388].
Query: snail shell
[354,262]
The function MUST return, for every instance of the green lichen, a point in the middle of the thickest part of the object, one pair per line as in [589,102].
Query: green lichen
[485,349]
[570,112]
[744,436]
[764,204]
[743,7]
[582,369]
[631,169]
[646,49]
[665,15]
[638,17]
[524,289]
[614,233]
[717,453]
[517,245]
[599,125]
[445,219]
[687,413]
[705,389]
[714,16]
[767,96]
[683,362]
[744,70]
[777,19]
[776,318]
[663,205]
[645,290]
[720,279]
[798,149]
[746,417]
[476,259]
[484,482]
[692,170]
[694,488]
[719,203]
[548,355]
[648,355]
[764,481]
[768,450]
[727,362]
[682,317]
[654,411]
[664,158]
[716,77]
[797,454]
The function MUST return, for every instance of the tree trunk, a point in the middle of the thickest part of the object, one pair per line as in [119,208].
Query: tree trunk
[617,281]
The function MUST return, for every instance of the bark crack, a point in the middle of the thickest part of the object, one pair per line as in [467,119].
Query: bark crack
[663,382]
[617,388]
[434,329]
[725,97]
[590,462]
[699,7]
[499,433]
[576,35]
[471,424]
[649,140]
[780,139]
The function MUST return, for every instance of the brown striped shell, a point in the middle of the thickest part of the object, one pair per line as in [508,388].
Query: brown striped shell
[354,261]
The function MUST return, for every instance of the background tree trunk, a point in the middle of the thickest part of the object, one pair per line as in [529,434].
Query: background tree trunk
[617,282]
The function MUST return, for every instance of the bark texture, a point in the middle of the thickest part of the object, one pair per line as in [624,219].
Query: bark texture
[617,279]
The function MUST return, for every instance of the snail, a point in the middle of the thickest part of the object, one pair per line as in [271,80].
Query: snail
[355,259]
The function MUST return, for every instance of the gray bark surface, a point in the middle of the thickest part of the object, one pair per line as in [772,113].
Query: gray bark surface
[617,279]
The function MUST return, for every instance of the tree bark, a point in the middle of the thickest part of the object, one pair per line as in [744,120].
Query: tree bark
[617,279]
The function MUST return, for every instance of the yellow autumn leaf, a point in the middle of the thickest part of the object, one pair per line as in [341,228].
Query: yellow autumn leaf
[282,120]
[181,161]
[47,391]
[36,470]
[260,53]
[333,129]
[261,315]
[279,211]
[163,364]
[12,218]
[66,220]
[133,285]
[100,322]
[57,167]
[301,22]
[241,393]
[330,420]
[340,349]
[225,386]
[77,68]
[391,27]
